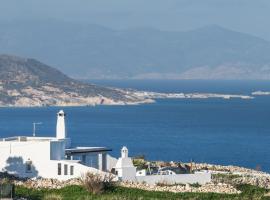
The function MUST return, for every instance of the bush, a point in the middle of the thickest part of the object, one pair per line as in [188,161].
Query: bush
[52,197]
[140,163]
[196,185]
[96,183]
[251,190]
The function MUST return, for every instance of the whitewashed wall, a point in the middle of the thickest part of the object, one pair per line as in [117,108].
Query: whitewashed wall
[14,156]
[111,162]
[201,178]
[79,170]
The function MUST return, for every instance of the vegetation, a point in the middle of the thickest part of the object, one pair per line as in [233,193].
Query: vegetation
[96,183]
[120,193]
[140,163]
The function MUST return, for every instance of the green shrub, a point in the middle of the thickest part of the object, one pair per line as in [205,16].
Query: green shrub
[251,190]
[96,183]
[140,163]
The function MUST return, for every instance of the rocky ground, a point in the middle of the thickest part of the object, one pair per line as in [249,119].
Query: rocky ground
[224,180]
[236,175]
[207,188]
[210,187]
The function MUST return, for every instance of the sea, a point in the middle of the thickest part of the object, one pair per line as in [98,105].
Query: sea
[217,131]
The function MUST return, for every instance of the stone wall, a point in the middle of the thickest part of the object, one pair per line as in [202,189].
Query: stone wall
[209,187]
[201,178]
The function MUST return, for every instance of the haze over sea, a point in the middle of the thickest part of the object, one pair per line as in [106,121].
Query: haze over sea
[219,131]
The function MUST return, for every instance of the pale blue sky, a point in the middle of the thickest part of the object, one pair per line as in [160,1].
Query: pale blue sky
[250,16]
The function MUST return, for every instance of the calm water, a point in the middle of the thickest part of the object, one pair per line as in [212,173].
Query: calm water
[208,130]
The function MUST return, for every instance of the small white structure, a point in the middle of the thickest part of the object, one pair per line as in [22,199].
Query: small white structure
[124,167]
[50,157]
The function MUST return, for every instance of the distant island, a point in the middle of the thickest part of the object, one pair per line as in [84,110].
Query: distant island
[27,82]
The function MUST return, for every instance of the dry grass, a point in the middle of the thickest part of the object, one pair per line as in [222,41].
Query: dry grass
[96,183]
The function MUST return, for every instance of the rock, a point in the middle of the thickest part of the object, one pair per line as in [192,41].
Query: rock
[187,187]
[214,188]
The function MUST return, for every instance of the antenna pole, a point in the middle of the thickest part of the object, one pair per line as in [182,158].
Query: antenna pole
[34,127]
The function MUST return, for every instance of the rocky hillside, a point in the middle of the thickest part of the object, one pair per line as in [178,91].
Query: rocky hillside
[28,82]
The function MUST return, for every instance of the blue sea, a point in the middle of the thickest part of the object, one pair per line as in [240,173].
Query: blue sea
[218,131]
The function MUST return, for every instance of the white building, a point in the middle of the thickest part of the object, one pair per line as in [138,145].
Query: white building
[53,157]
[50,157]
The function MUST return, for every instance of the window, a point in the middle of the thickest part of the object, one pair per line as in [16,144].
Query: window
[59,169]
[65,169]
[71,170]
[28,166]
[83,159]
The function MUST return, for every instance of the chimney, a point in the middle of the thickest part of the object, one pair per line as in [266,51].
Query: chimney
[60,126]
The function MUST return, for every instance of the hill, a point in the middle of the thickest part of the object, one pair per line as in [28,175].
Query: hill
[28,82]
[91,51]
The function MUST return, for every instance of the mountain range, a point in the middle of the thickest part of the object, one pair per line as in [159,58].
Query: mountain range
[88,51]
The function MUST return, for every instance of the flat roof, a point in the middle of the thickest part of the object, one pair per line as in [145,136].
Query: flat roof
[80,150]
[26,139]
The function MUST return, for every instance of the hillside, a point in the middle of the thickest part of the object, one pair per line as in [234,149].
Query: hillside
[28,82]
[91,51]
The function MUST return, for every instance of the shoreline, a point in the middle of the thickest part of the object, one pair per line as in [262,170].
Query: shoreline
[137,98]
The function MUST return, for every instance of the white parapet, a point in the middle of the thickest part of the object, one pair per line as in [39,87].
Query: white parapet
[201,178]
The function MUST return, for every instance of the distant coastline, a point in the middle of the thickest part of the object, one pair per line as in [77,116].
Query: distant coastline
[138,98]
[260,93]
[157,95]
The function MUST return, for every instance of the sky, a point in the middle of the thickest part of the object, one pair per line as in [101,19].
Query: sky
[249,16]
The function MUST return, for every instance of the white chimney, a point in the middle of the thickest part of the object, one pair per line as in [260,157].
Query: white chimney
[60,126]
